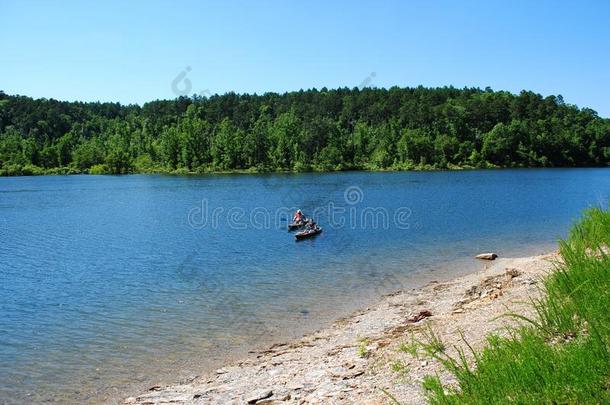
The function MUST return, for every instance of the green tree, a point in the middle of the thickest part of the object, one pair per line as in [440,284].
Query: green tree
[283,140]
[225,146]
[326,129]
[416,146]
[88,152]
[117,155]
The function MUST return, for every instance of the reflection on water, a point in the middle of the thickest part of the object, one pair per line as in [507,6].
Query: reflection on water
[104,283]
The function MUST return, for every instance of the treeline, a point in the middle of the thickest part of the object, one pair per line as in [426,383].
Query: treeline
[342,129]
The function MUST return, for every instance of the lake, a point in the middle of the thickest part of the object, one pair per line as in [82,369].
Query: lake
[111,283]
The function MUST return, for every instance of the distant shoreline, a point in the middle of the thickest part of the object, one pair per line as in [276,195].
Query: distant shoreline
[65,171]
[401,128]
[350,360]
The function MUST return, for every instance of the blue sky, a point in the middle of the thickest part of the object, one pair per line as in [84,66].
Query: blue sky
[132,51]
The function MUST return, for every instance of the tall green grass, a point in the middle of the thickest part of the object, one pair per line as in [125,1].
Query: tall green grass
[562,355]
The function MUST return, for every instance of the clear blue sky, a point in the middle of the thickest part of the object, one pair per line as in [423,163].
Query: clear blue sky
[131,51]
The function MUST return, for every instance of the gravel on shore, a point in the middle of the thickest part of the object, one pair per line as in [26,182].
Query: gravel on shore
[357,358]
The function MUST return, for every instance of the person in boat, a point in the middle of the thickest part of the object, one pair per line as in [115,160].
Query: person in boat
[298,217]
[312,225]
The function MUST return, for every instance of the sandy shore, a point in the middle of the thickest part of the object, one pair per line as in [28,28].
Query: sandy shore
[351,362]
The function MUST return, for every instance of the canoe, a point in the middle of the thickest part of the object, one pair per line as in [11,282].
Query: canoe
[295,225]
[307,234]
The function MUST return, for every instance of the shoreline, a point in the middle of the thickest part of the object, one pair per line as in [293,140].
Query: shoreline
[66,171]
[352,359]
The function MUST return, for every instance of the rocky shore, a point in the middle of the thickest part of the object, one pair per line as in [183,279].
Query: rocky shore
[358,358]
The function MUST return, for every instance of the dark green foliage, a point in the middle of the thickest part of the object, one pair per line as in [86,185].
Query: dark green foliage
[342,129]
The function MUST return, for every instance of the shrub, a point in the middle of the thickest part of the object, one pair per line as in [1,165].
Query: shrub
[99,169]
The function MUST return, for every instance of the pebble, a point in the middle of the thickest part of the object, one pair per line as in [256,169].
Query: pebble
[487,256]
[258,395]
[324,367]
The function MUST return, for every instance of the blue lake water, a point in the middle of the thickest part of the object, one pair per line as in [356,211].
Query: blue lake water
[109,283]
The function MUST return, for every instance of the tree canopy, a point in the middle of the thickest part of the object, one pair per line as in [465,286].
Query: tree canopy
[340,129]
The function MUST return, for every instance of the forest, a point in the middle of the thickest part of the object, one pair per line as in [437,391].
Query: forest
[309,130]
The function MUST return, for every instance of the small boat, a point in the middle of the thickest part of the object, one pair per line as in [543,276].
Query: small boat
[309,233]
[296,225]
